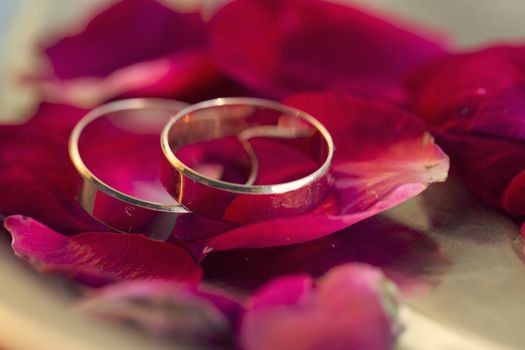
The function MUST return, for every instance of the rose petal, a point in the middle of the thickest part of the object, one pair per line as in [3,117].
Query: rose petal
[178,76]
[129,32]
[488,166]
[36,177]
[294,46]
[457,83]
[383,157]
[408,257]
[119,54]
[108,255]
[352,306]
[475,102]
[173,311]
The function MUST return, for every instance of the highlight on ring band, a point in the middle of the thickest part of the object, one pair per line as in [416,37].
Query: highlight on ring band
[115,149]
[249,120]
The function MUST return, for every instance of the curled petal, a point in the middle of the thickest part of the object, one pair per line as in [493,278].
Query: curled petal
[109,256]
[133,48]
[172,311]
[294,46]
[124,34]
[383,157]
[180,75]
[352,306]
[496,177]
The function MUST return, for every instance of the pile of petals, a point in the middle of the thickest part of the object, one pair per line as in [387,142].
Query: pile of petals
[350,305]
[475,103]
[340,64]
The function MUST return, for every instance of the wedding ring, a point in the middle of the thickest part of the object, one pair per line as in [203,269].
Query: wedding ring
[245,118]
[120,140]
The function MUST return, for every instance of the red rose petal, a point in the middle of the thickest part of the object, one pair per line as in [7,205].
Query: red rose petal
[293,46]
[383,157]
[512,199]
[352,305]
[108,255]
[173,311]
[36,176]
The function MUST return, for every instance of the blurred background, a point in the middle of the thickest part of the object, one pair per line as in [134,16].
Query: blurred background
[23,23]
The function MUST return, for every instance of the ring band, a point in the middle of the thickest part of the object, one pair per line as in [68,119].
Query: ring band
[245,118]
[107,204]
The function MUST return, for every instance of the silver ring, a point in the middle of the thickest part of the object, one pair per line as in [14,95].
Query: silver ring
[245,118]
[115,208]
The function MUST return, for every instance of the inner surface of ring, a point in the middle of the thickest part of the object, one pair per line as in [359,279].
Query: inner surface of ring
[287,145]
[121,149]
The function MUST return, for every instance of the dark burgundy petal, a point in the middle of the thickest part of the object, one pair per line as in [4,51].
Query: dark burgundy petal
[383,156]
[281,47]
[475,102]
[447,93]
[173,311]
[488,166]
[512,199]
[352,305]
[36,177]
[100,254]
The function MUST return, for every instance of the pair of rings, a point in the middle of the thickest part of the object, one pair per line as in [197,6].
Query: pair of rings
[134,183]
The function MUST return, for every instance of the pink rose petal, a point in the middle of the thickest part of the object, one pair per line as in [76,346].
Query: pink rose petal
[351,307]
[172,311]
[383,157]
[107,255]
[280,47]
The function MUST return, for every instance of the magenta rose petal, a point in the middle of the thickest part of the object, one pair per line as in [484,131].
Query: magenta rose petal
[36,177]
[294,46]
[352,305]
[407,256]
[124,34]
[172,311]
[119,54]
[383,157]
[108,255]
